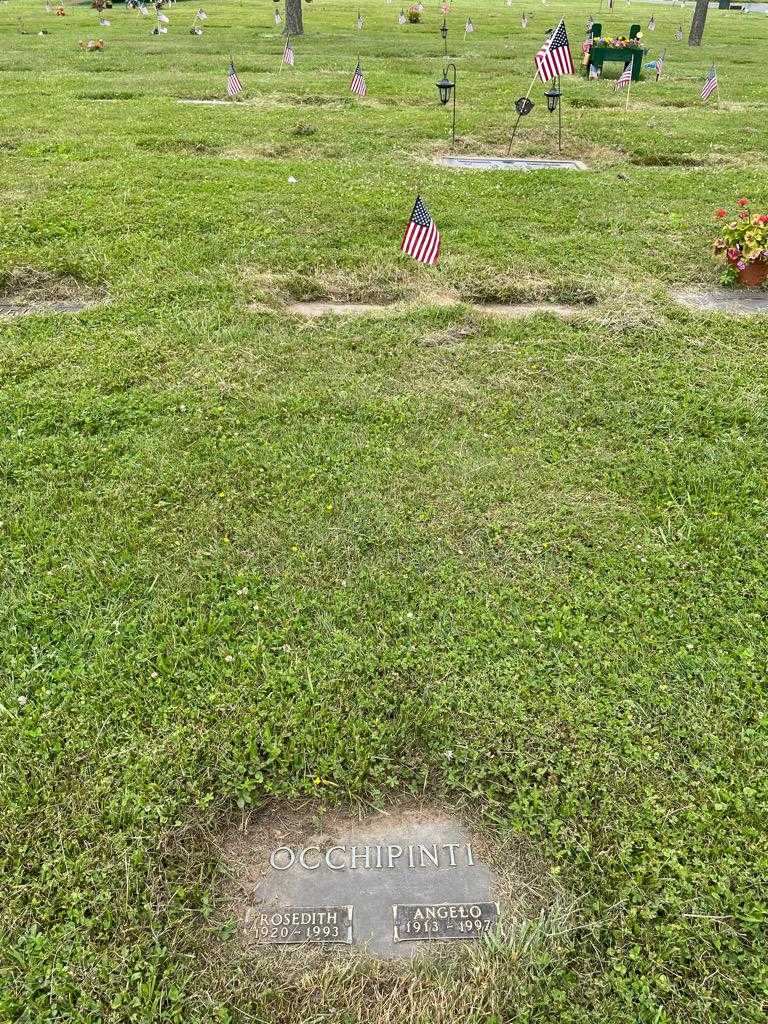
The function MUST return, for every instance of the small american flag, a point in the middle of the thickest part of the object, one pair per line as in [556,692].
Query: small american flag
[625,77]
[593,71]
[652,24]
[401,18]
[660,64]
[421,239]
[358,82]
[359,23]
[469,27]
[234,85]
[554,58]
[278,19]
[710,84]
[288,53]
[679,34]
[524,21]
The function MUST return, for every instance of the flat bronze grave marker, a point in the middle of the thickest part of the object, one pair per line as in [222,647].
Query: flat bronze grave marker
[287,925]
[384,884]
[416,922]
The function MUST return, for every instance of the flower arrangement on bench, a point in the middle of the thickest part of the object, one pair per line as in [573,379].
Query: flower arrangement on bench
[620,42]
[743,244]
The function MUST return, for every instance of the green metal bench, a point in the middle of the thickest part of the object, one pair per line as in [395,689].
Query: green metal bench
[598,55]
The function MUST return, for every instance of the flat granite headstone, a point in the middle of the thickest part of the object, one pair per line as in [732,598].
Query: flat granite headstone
[497,163]
[392,885]
[722,300]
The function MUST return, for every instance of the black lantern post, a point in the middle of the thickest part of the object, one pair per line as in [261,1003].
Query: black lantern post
[447,88]
[444,34]
[553,104]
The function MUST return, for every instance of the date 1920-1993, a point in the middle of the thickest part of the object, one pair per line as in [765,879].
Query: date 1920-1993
[302,924]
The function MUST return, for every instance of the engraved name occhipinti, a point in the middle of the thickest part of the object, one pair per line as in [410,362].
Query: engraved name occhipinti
[413,856]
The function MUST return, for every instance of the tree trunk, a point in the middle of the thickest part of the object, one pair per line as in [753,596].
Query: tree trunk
[697,25]
[294,23]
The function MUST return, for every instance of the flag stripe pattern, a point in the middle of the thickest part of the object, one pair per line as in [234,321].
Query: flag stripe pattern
[357,84]
[554,58]
[234,85]
[288,53]
[710,84]
[659,65]
[625,77]
[421,239]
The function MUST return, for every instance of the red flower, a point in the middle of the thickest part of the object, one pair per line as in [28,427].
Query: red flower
[721,213]
[743,202]
[744,215]
[763,218]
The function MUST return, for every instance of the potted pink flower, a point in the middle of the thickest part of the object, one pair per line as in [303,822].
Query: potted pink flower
[743,244]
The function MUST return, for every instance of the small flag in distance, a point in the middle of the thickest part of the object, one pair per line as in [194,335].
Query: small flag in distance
[234,85]
[421,240]
[710,84]
[357,85]
[288,56]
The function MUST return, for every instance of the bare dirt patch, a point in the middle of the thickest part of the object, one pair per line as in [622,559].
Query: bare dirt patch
[315,309]
[29,290]
[510,311]
[523,309]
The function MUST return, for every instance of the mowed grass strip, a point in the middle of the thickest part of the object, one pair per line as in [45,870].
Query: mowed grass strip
[517,564]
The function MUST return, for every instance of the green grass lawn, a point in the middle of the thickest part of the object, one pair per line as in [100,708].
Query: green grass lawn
[247,556]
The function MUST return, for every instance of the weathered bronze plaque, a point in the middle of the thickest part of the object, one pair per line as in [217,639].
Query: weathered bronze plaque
[280,925]
[417,921]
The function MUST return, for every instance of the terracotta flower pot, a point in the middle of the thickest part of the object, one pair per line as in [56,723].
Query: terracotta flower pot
[753,275]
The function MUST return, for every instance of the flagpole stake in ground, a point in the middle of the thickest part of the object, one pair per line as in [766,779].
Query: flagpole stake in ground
[447,88]
[444,34]
[553,60]
[553,104]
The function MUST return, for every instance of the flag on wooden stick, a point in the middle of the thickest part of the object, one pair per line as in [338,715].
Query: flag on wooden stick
[234,85]
[625,77]
[710,84]
[421,239]
[288,56]
[357,85]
